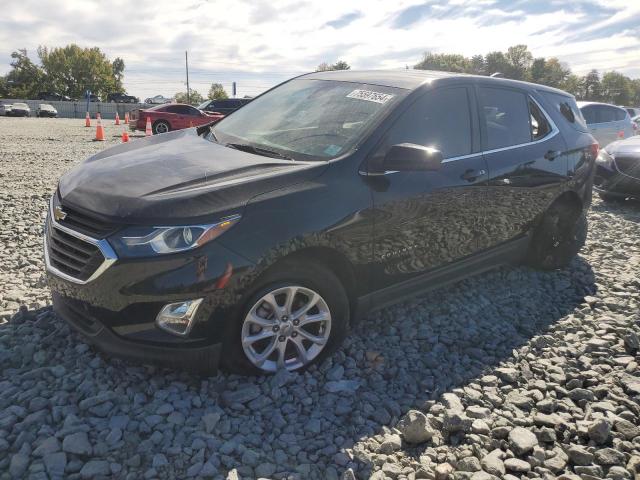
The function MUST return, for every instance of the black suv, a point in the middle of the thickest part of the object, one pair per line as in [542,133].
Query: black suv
[257,241]
[52,96]
[122,98]
[226,106]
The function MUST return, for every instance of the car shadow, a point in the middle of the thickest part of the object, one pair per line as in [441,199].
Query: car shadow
[397,359]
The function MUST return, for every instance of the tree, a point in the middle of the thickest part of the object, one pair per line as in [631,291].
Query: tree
[446,62]
[592,86]
[339,65]
[217,92]
[25,79]
[118,72]
[617,88]
[477,65]
[195,98]
[519,59]
[72,70]
[574,85]
[548,72]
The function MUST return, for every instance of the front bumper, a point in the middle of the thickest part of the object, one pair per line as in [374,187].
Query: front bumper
[614,182]
[203,359]
[116,310]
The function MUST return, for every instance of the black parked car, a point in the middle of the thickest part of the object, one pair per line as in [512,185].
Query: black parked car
[226,106]
[257,241]
[618,170]
[122,98]
[53,96]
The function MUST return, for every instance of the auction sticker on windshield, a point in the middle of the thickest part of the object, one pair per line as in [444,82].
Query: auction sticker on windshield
[370,96]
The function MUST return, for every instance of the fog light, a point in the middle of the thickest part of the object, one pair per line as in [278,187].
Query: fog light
[177,318]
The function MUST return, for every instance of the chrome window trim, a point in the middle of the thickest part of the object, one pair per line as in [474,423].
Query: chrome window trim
[103,245]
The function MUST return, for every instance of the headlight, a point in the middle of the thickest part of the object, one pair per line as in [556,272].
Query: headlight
[604,159]
[139,241]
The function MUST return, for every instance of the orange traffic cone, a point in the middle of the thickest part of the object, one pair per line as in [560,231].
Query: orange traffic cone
[99,131]
[117,119]
[190,123]
[126,118]
[147,130]
[87,120]
[125,136]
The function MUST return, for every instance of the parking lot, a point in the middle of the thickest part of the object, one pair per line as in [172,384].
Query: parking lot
[519,372]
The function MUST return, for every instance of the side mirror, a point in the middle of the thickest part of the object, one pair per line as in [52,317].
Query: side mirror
[409,157]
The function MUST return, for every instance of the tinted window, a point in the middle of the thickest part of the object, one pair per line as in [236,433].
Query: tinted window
[540,126]
[506,116]
[440,119]
[605,114]
[589,113]
[568,109]
[192,111]
[171,109]
[620,114]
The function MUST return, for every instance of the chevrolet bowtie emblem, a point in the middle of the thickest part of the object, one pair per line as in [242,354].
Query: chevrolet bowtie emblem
[59,214]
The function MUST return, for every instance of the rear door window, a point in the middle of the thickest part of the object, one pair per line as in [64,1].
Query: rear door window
[605,114]
[505,114]
[620,114]
[540,126]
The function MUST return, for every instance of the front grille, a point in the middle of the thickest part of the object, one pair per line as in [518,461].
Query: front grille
[87,224]
[629,165]
[71,255]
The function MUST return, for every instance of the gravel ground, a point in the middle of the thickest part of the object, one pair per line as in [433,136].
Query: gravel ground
[512,374]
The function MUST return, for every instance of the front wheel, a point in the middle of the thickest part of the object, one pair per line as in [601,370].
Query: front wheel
[558,238]
[297,316]
[161,127]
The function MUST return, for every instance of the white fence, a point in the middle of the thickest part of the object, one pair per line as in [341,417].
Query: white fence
[79,109]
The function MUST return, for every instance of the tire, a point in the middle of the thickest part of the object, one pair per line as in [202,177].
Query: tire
[558,238]
[160,127]
[304,279]
[608,198]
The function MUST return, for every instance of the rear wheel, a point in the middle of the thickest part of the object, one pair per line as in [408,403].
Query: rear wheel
[297,316]
[161,127]
[558,238]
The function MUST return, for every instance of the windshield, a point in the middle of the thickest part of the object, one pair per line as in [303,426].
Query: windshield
[308,119]
[203,105]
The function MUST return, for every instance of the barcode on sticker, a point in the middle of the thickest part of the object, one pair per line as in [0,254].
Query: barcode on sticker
[370,96]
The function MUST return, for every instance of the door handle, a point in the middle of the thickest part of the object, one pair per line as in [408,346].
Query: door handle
[552,154]
[471,175]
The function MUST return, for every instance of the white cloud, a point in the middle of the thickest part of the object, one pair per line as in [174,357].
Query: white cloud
[259,44]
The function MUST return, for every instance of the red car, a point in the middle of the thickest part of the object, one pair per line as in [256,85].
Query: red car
[173,116]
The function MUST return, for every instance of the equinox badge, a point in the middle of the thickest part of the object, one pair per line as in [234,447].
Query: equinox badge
[59,214]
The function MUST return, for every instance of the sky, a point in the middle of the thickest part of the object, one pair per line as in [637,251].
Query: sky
[259,44]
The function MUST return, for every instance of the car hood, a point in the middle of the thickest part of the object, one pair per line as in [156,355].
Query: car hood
[628,147]
[173,177]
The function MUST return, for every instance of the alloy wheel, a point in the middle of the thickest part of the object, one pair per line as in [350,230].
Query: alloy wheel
[286,328]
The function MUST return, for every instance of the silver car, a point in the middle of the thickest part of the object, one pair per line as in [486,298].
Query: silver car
[607,123]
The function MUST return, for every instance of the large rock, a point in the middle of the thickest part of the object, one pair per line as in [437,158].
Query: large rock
[522,440]
[493,464]
[600,430]
[77,443]
[415,428]
[95,468]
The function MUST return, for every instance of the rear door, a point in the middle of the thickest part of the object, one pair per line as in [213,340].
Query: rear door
[527,161]
[427,219]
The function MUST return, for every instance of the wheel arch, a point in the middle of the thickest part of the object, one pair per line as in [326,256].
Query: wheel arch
[329,258]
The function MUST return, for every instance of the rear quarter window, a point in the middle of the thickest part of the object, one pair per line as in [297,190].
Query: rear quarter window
[568,110]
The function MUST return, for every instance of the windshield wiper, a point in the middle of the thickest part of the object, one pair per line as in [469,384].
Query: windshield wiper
[265,152]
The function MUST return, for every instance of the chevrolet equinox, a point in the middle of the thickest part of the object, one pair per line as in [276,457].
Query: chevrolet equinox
[254,243]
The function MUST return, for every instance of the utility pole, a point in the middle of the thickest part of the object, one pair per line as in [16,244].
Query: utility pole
[186,65]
